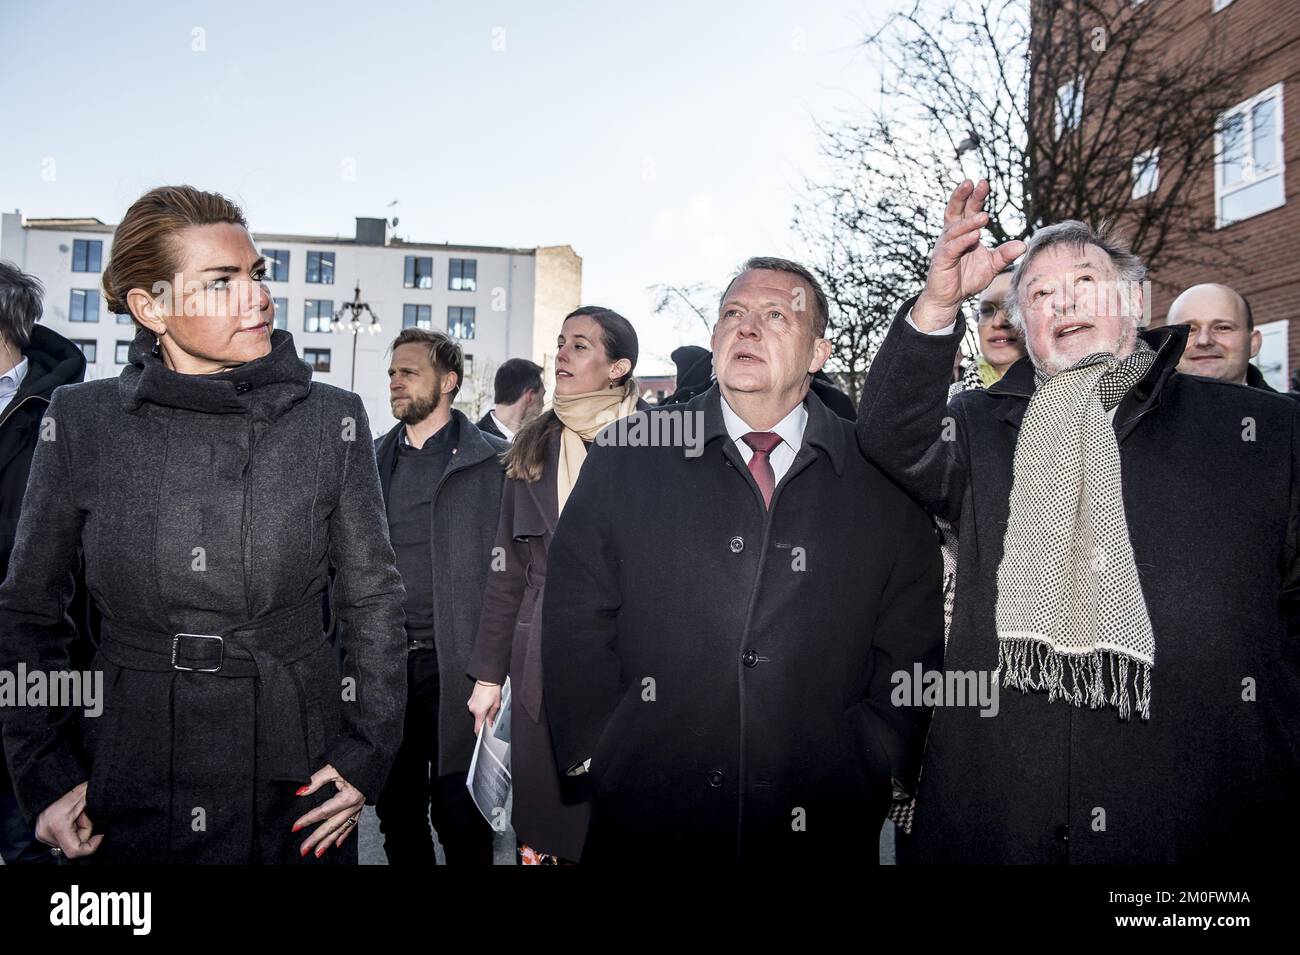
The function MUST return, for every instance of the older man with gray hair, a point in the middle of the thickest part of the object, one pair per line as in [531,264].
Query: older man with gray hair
[1145,622]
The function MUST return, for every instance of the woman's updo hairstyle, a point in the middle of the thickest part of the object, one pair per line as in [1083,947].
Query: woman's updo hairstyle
[145,248]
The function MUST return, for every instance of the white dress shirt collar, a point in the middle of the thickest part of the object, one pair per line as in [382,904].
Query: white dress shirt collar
[11,381]
[509,435]
[790,428]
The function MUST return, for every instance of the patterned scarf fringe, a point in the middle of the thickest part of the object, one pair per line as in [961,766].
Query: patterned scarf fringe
[1081,680]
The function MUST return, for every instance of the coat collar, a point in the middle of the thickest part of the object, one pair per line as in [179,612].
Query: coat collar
[1168,342]
[267,386]
[823,429]
[1255,379]
[471,448]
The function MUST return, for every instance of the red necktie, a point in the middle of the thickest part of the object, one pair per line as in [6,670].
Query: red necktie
[760,465]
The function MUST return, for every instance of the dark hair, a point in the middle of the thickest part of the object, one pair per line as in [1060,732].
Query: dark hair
[526,458]
[20,305]
[145,246]
[444,354]
[514,377]
[772,264]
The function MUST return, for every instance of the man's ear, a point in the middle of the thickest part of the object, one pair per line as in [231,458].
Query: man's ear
[450,381]
[1256,339]
[146,310]
[821,352]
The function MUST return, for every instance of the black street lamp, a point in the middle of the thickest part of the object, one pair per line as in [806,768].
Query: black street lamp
[352,323]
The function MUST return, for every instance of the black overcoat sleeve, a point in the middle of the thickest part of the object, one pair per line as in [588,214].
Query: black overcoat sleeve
[490,659]
[905,426]
[368,595]
[908,631]
[42,744]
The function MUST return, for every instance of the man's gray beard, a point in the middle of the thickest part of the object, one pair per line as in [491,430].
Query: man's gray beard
[1127,337]
[417,409]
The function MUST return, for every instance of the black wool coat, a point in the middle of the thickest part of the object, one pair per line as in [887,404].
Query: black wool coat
[726,667]
[52,361]
[206,504]
[1211,485]
[466,502]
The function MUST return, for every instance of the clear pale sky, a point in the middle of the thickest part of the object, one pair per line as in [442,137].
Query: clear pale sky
[665,142]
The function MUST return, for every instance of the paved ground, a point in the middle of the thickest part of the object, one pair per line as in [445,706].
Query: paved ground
[372,843]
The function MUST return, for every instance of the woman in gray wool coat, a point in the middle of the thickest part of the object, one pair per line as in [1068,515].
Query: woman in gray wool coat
[209,490]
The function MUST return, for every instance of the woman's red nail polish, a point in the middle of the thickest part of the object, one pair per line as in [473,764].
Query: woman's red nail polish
[301,791]
[302,851]
[321,851]
[296,827]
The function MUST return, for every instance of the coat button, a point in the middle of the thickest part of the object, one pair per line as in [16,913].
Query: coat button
[715,779]
[737,544]
[1063,832]
[243,387]
[749,658]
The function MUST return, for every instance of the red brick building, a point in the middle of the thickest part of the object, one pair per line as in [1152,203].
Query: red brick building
[1252,190]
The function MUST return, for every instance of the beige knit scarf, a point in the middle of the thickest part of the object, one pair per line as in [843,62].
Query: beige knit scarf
[583,416]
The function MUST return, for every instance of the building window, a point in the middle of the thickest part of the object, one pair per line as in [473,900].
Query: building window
[419,272]
[88,348]
[320,268]
[1272,357]
[281,319]
[317,313]
[462,275]
[84,305]
[460,322]
[120,354]
[1146,173]
[87,255]
[417,316]
[318,358]
[468,365]
[277,264]
[1248,158]
[1069,105]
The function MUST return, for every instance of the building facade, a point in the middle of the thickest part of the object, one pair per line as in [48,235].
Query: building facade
[498,303]
[1250,193]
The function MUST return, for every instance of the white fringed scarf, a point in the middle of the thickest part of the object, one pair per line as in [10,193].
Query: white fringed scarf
[1071,617]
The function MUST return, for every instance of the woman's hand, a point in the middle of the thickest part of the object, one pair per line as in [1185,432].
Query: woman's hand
[484,703]
[340,812]
[65,825]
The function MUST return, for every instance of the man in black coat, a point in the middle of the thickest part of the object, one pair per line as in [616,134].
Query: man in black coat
[441,478]
[1208,478]
[1221,335]
[34,360]
[518,394]
[728,603]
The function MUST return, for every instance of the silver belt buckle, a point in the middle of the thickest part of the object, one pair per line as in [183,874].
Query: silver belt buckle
[199,636]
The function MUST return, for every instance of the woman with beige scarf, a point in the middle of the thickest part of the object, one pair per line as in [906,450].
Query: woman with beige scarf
[593,386]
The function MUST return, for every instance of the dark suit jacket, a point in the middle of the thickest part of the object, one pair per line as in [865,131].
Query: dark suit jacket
[486,424]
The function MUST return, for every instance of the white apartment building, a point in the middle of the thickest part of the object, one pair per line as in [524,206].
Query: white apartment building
[498,303]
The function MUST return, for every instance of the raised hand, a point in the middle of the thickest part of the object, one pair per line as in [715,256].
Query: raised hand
[960,266]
